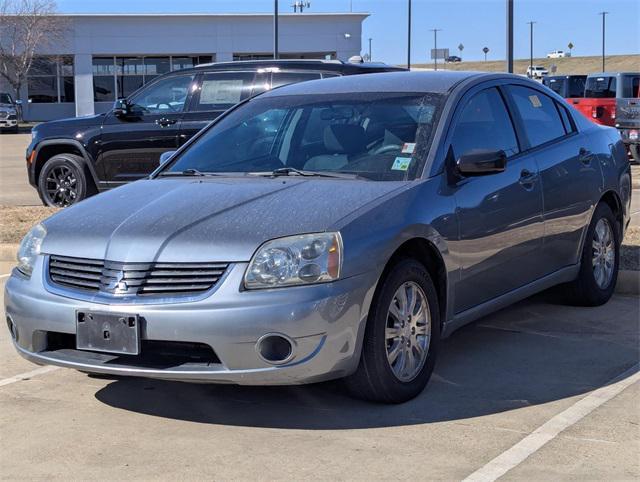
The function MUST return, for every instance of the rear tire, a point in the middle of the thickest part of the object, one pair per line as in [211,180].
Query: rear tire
[599,262]
[399,350]
[63,181]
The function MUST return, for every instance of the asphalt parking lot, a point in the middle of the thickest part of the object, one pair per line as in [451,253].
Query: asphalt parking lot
[538,390]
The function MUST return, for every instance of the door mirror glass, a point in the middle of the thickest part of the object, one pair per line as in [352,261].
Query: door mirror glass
[120,108]
[480,163]
[165,156]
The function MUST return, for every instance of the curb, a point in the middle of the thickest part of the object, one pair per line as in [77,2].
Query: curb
[628,281]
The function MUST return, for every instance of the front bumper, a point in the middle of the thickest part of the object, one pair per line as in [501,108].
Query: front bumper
[325,323]
[8,123]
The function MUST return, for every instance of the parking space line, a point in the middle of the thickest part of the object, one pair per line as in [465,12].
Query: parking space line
[27,375]
[533,442]
[5,275]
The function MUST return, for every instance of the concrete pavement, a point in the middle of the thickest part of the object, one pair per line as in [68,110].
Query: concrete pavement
[14,185]
[496,382]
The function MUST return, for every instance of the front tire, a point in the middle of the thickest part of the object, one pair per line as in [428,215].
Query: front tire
[63,181]
[600,260]
[401,337]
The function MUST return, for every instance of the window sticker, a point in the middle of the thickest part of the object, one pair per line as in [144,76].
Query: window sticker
[408,147]
[401,164]
[535,101]
[221,91]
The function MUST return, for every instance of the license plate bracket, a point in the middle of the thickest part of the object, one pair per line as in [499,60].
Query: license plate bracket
[108,332]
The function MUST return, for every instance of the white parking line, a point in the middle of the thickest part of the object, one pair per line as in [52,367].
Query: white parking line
[5,275]
[27,375]
[542,435]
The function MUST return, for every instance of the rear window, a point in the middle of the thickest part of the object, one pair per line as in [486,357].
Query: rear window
[600,87]
[630,85]
[285,78]
[557,85]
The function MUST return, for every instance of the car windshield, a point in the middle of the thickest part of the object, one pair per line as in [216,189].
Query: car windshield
[376,136]
[5,99]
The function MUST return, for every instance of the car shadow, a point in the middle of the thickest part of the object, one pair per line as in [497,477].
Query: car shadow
[528,354]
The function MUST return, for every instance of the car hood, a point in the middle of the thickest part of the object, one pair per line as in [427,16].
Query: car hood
[67,127]
[6,106]
[195,220]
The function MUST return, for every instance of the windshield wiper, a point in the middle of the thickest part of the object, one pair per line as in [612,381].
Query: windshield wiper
[292,171]
[186,172]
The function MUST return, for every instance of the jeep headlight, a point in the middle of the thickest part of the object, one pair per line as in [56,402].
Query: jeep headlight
[30,249]
[295,260]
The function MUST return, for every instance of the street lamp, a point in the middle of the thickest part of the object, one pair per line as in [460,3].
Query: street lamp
[435,47]
[531,47]
[275,29]
[409,36]
[604,16]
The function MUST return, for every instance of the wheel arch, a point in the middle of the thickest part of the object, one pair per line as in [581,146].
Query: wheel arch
[424,251]
[47,149]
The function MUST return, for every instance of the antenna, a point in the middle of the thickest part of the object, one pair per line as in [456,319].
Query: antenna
[299,4]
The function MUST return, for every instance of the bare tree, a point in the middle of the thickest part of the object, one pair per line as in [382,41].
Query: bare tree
[26,28]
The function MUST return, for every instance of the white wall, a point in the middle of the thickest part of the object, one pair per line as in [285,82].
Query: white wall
[220,35]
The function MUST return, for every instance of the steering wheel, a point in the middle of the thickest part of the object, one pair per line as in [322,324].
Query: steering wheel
[387,148]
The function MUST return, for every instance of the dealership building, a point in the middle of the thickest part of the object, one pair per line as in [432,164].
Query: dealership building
[107,56]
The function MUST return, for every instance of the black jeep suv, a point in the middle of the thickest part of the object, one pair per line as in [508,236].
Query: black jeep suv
[71,159]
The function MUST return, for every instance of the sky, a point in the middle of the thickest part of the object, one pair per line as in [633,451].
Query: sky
[472,23]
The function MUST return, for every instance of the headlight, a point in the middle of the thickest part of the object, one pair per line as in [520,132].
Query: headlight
[30,249]
[296,260]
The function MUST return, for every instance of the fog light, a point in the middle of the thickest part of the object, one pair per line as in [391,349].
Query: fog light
[13,329]
[275,348]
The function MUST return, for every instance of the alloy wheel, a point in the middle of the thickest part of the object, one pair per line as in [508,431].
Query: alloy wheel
[61,186]
[408,331]
[603,253]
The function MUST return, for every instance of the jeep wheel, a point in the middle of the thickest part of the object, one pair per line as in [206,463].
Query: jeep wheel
[63,181]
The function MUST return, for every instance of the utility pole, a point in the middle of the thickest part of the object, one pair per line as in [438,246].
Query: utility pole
[275,29]
[435,47]
[409,37]
[510,36]
[370,49]
[531,24]
[604,15]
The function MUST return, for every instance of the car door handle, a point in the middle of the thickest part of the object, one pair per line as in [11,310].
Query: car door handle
[527,178]
[164,122]
[585,156]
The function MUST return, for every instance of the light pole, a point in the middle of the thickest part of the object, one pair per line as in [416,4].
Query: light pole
[435,47]
[409,37]
[510,36]
[531,47]
[370,49]
[275,29]
[604,16]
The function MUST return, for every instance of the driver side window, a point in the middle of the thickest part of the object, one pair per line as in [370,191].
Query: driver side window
[163,97]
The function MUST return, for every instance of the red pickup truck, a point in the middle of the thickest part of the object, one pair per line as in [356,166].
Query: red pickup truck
[613,99]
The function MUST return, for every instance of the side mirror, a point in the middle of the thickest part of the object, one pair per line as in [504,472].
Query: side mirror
[120,108]
[18,102]
[482,163]
[165,156]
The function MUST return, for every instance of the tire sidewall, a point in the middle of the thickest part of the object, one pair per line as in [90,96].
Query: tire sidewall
[597,294]
[71,163]
[375,350]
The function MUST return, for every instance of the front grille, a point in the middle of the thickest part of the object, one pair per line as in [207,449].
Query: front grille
[125,279]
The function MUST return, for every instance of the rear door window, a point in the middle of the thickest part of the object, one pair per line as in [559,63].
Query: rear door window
[484,125]
[576,86]
[539,114]
[284,78]
[222,90]
[601,87]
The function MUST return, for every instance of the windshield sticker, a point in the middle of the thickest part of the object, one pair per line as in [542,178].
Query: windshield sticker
[535,101]
[408,147]
[401,164]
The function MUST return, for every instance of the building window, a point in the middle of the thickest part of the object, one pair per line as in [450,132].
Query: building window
[50,80]
[116,77]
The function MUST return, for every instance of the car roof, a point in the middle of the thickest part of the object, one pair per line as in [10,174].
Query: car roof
[296,64]
[552,77]
[612,74]
[438,82]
